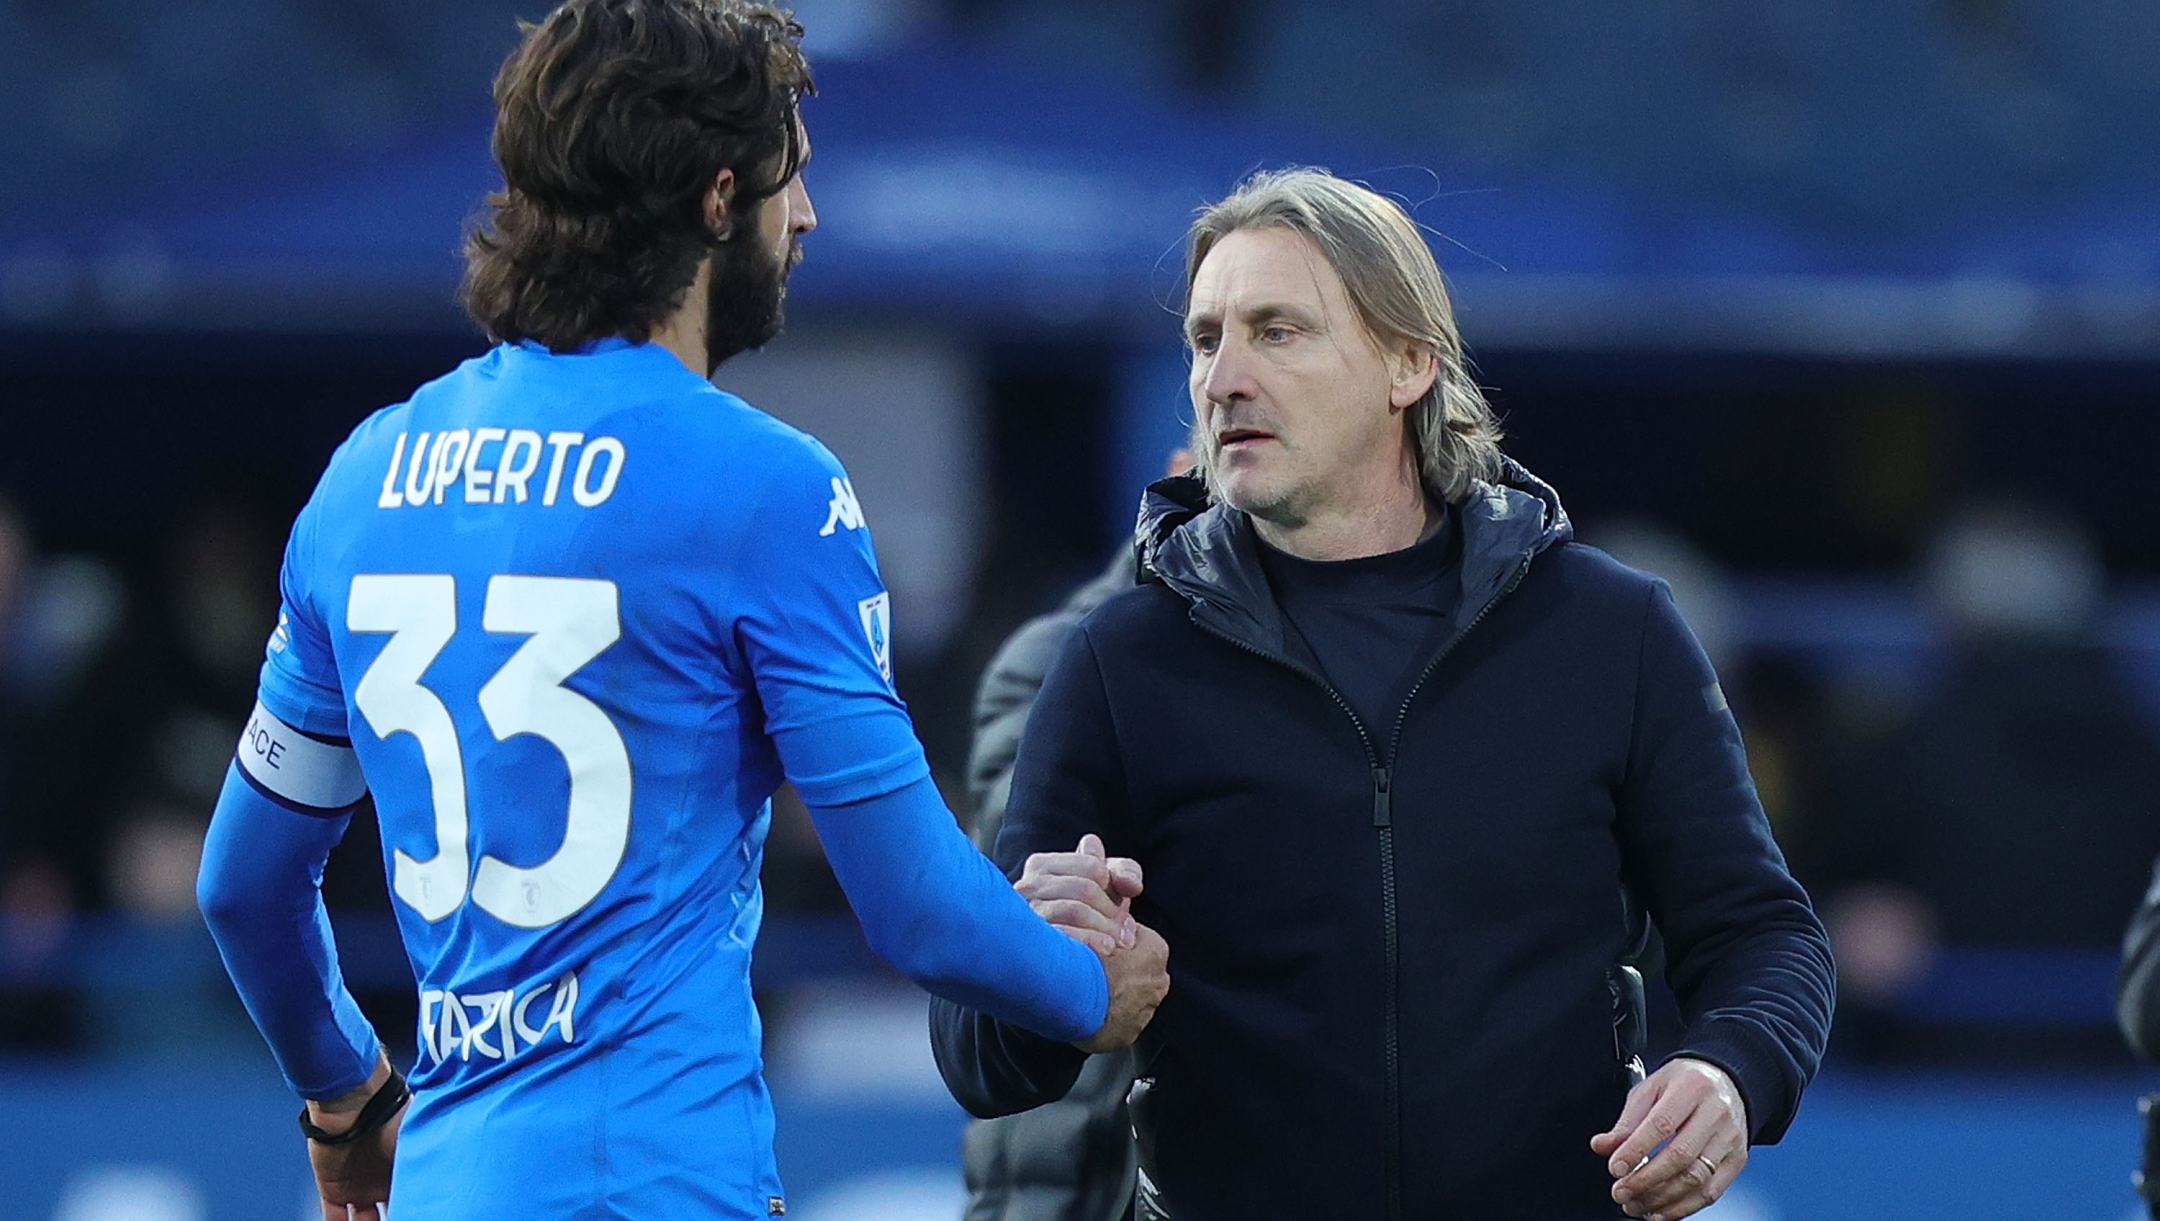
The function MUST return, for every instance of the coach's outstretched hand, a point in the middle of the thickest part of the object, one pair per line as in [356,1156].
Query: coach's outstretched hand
[1695,1112]
[357,1174]
[1087,894]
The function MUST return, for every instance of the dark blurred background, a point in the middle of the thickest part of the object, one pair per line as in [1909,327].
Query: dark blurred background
[1843,317]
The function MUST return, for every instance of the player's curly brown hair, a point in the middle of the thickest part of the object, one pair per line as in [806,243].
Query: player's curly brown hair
[613,118]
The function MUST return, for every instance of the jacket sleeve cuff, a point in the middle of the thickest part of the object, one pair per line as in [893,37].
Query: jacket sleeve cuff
[1764,1084]
[995,1069]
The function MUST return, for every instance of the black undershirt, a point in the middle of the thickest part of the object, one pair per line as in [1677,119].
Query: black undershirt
[1370,625]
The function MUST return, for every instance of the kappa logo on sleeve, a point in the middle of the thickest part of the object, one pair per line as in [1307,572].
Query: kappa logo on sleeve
[844,510]
[877,629]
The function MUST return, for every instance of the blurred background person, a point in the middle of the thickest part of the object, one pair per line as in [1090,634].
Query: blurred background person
[56,614]
[1073,1159]
[119,706]
[2017,808]
[36,899]
[125,756]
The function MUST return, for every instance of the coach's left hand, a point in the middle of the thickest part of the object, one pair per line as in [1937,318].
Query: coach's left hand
[1695,1111]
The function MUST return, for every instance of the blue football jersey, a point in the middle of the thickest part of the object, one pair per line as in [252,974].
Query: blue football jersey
[578,616]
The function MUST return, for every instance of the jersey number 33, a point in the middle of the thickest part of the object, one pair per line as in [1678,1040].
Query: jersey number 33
[568,622]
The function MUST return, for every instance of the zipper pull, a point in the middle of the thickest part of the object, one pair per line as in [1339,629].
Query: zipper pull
[1383,814]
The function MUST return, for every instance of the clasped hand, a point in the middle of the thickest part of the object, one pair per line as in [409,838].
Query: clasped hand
[1087,895]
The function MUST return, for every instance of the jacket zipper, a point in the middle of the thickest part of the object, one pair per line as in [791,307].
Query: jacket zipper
[1383,821]
[1383,817]
[1522,567]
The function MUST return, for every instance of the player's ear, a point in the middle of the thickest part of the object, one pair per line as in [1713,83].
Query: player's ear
[719,204]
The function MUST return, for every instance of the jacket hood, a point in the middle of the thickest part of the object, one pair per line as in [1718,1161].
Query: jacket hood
[1208,553]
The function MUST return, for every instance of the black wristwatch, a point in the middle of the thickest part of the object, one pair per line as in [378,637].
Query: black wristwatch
[387,1102]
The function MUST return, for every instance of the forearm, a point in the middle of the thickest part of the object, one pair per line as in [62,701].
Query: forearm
[1748,959]
[935,908]
[993,1068]
[1760,1009]
[339,1113]
[260,892]
[1749,962]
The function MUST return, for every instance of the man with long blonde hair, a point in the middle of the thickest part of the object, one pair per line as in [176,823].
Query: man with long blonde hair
[1405,766]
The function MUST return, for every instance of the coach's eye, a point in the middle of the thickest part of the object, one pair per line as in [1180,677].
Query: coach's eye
[1206,344]
[1275,334]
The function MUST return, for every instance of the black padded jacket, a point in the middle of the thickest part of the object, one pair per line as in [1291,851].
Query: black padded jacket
[1390,943]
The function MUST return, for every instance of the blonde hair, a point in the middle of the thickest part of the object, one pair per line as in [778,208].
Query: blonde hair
[1395,286]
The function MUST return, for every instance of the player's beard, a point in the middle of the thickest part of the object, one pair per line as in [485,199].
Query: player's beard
[744,297]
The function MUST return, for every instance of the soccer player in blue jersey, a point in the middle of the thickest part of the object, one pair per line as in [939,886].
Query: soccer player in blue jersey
[570,614]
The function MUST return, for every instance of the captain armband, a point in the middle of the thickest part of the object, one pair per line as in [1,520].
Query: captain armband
[300,771]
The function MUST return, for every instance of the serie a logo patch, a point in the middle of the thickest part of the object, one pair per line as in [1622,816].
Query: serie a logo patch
[877,629]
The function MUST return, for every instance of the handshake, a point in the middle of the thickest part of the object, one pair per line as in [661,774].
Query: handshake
[1087,895]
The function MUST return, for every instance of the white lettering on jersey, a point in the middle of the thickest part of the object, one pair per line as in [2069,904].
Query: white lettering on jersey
[844,510]
[504,474]
[449,458]
[563,443]
[415,492]
[877,629]
[298,768]
[390,498]
[495,1025]
[477,480]
[511,473]
[581,489]
[568,621]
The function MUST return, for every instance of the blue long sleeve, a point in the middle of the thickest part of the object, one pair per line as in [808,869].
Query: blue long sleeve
[261,894]
[937,909]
